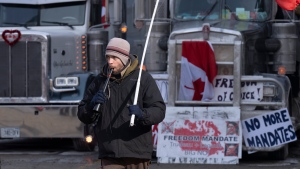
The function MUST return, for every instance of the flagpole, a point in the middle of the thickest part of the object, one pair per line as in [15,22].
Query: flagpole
[142,63]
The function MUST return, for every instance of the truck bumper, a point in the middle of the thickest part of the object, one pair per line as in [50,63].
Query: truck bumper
[40,121]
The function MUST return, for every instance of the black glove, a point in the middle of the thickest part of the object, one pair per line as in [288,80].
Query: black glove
[137,111]
[99,98]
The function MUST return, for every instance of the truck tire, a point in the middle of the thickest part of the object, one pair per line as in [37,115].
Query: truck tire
[81,145]
[280,154]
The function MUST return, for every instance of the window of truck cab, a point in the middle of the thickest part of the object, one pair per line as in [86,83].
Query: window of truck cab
[70,13]
[195,9]
[17,15]
[256,10]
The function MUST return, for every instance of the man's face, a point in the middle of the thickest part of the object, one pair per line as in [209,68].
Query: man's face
[230,150]
[231,129]
[114,63]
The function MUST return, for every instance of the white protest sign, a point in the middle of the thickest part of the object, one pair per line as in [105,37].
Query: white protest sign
[223,88]
[210,135]
[268,130]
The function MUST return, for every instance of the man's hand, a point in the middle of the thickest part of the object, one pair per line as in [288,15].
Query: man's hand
[99,98]
[137,111]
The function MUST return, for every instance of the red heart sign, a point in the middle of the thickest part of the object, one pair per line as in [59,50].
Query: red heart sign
[11,37]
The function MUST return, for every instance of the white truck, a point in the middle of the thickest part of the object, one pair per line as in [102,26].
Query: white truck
[51,51]
[47,61]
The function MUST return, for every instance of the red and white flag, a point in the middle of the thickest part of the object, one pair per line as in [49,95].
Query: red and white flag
[103,13]
[288,4]
[198,70]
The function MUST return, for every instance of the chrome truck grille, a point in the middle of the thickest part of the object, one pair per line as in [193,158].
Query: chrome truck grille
[21,69]
[228,57]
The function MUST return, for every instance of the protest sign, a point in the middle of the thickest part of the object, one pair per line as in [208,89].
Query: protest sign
[223,87]
[209,135]
[269,130]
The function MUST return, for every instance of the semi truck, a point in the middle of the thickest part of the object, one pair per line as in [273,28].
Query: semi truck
[46,65]
[52,49]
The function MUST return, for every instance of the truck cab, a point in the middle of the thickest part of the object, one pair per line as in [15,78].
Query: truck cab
[252,42]
[46,66]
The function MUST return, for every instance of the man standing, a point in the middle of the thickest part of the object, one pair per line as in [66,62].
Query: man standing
[122,146]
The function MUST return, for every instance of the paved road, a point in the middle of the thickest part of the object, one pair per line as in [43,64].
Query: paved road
[59,153]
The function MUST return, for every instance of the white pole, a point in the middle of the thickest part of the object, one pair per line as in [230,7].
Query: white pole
[142,63]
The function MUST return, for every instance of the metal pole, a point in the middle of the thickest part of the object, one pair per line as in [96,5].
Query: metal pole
[142,63]
[97,107]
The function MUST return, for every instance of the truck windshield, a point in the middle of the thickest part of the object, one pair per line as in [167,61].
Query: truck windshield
[64,14]
[258,10]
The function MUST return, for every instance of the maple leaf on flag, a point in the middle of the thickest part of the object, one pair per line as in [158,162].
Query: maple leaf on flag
[199,88]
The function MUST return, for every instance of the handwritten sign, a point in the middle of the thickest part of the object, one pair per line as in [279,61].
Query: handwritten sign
[223,87]
[268,130]
[200,135]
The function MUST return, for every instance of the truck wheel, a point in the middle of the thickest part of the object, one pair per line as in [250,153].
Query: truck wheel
[81,145]
[280,154]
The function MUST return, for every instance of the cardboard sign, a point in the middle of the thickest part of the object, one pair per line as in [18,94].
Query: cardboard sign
[223,85]
[269,130]
[200,135]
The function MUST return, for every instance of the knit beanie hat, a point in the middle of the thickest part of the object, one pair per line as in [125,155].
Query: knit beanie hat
[119,48]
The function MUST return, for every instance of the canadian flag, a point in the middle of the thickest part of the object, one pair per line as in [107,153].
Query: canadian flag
[288,4]
[198,70]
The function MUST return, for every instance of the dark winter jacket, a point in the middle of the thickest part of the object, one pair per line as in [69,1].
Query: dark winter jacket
[113,132]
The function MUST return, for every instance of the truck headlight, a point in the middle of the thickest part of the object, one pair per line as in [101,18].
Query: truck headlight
[269,90]
[66,81]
